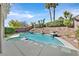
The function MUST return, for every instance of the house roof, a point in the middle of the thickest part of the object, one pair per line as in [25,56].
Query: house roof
[76,18]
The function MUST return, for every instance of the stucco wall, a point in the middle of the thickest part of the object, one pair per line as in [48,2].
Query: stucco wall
[0,28]
[4,9]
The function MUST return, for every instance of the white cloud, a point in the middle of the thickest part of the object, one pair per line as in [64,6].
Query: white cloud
[12,14]
[29,16]
[74,11]
[21,15]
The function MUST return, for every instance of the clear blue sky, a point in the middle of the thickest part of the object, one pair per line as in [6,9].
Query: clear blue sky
[32,12]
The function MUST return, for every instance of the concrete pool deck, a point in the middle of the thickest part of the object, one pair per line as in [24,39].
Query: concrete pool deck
[67,44]
[31,48]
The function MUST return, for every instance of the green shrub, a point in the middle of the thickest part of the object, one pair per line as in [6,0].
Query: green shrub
[68,23]
[56,23]
[9,30]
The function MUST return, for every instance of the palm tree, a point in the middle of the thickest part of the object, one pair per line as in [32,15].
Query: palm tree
[53,5]
[66,14]
[48,6]
[71,16]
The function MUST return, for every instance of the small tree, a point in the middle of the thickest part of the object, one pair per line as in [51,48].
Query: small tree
[15,24]
[39,23]
[43,22]
[34,25]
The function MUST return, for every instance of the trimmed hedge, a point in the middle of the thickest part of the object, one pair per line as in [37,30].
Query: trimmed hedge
[9,30]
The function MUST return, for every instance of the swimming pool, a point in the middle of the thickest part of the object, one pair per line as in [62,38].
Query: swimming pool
[41,38]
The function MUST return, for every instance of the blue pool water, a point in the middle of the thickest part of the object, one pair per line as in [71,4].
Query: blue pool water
[42,38]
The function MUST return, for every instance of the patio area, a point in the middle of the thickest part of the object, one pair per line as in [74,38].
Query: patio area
[30,48]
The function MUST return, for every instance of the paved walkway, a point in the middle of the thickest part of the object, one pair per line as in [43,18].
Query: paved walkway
[30,48]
